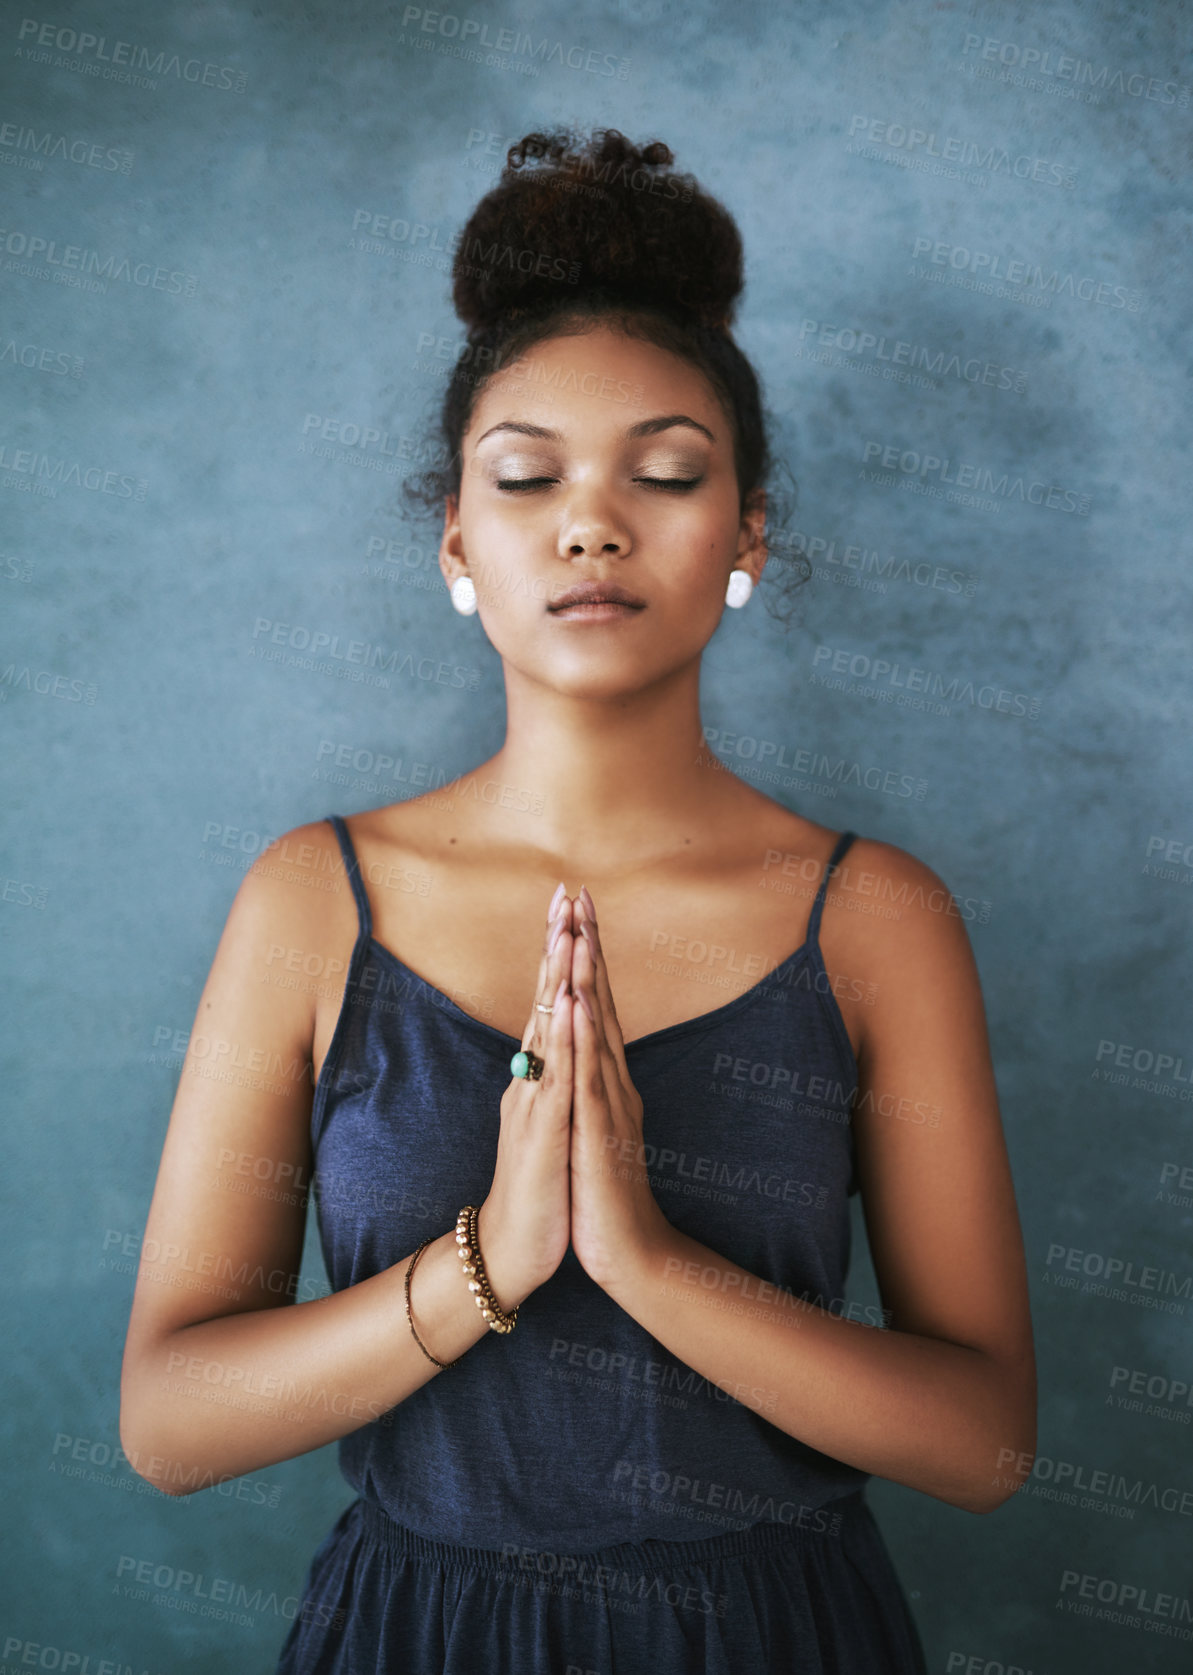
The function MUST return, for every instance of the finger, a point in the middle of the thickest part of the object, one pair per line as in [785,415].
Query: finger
[603,986]
[593,972]
[551,1093]
[539,1036]
[554,963]
[555,1051]
[607,1063]
[590,1065]
[559,1068]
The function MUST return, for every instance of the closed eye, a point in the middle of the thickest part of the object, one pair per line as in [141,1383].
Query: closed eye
[515,485]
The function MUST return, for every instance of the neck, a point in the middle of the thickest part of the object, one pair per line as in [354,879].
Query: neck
[619,781]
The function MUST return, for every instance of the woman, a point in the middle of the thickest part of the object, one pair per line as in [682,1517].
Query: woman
[597,1386]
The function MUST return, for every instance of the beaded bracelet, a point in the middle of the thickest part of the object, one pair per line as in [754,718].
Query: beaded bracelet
[468,1245]
[410,1317]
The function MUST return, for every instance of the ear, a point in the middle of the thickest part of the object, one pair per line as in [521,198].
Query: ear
[452,562]
[752,550]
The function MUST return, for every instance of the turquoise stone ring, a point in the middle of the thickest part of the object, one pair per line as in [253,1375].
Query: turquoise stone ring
[529,1065]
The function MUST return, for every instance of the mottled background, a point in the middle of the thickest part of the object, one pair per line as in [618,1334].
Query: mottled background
[967,235]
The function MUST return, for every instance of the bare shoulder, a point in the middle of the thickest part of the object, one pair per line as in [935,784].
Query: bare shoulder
[303,871]
[908,909]
[450,835]
[777,836]
[894,924]
[298,883]
[409,823]
[874,880]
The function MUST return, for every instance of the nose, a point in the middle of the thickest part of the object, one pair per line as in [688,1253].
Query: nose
[579,547]
[592,528]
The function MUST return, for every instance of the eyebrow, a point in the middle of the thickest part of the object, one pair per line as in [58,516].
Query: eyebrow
[645,427]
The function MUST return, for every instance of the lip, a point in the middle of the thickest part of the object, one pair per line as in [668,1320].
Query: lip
[596,610]
[587,596]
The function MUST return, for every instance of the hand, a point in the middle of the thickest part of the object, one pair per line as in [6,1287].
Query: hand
[524,1224]
[615,1215]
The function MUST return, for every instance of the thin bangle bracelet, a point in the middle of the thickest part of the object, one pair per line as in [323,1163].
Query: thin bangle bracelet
[410,1317]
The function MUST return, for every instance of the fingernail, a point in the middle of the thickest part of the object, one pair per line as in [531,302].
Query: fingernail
[587,900]
[586,1004]
[560,892]
[561,923]
[588,932]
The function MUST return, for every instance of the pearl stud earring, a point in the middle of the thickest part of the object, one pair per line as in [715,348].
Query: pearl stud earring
[464,595]
[740,587]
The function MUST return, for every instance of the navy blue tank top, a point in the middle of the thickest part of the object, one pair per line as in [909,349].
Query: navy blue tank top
[579,1429]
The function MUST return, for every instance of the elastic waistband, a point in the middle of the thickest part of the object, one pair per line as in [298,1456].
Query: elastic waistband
[652,1557]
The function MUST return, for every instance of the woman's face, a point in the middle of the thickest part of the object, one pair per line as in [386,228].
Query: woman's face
[599,458]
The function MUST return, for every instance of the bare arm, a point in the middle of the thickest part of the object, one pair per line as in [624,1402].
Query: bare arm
[223,1371]
[945,1400]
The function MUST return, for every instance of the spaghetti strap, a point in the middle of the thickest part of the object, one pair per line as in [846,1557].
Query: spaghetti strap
[843,842]
[352,866]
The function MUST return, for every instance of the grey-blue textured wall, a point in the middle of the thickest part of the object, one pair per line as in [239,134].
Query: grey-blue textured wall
[224,251]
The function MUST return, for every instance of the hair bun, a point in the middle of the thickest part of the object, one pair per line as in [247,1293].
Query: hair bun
[604,215]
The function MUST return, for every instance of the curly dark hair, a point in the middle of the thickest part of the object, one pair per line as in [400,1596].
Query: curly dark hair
[604,230]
